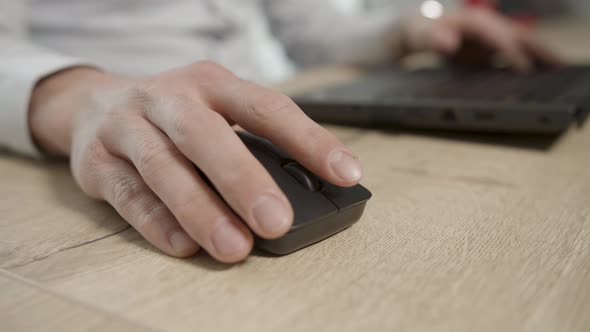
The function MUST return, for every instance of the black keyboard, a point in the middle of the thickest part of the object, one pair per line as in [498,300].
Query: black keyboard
[497,85]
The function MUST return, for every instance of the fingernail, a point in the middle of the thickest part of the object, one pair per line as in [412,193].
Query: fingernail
[345,166]
[228,240]
[181,242]
[272,215]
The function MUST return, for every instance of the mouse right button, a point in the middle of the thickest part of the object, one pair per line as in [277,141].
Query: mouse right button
[346,197]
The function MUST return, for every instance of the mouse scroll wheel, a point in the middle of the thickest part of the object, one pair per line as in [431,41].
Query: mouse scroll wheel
[303,176]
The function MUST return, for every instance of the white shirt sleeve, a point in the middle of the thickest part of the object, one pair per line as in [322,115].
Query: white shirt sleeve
[22,65]
[316,32]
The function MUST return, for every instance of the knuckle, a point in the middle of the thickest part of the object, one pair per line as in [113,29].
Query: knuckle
[121,115]
[140,97]
[149,215]
[132,99]
[210,71]
[185,120]
[181,122]
[106,125]
[268,105]
[86,164]
[151,156]
[125,190]
[140,94]
[93,154]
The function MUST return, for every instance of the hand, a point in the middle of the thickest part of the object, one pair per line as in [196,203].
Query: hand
[135,144]
[473,36]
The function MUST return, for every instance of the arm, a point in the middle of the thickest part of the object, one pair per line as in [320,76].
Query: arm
[22,65]
[315,32]
[135,143]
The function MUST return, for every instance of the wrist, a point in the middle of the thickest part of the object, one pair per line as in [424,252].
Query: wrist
[55,102]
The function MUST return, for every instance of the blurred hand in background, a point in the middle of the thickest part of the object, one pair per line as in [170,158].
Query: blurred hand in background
[474,37]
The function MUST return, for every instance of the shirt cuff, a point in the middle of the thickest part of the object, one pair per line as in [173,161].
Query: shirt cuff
[18,77]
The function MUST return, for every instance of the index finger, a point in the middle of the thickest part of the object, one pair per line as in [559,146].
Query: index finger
[276,117]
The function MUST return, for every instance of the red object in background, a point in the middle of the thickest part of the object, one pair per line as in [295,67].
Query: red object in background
[481,3]
[526,19]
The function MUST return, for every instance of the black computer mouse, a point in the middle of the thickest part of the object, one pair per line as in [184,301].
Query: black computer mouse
[321,209]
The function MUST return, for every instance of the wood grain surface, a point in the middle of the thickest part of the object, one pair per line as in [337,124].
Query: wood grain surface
[465,232]
[27,306]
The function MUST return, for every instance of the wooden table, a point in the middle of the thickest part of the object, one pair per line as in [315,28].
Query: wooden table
[464,233]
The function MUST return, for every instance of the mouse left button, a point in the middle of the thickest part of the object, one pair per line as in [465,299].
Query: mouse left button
[264,145]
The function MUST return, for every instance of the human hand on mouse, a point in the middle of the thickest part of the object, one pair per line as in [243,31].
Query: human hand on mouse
[134,143]
[474,36]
